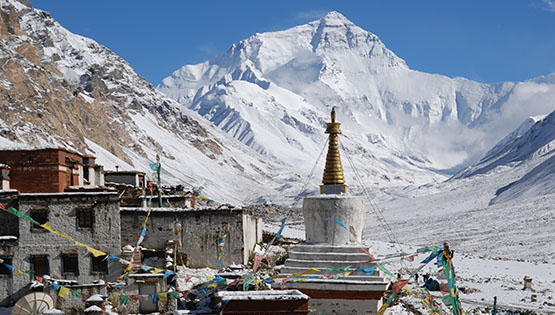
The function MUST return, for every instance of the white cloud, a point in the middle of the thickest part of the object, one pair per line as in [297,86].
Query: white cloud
[311,15]
[548,5]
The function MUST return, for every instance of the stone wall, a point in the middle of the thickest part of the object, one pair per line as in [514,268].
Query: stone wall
[62,209]
[202,230]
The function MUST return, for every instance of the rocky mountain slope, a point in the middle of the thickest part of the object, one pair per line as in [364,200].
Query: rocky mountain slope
[61,89]
[531,149]
[266,100]
[273,92]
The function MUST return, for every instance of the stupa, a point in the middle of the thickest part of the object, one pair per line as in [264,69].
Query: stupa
[334,222]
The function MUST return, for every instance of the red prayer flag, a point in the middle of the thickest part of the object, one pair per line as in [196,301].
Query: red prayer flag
[409,258]
[134,297]
[372,258]
[444,288]
[257,259]
[84,297]
[398,286]
[2,206]
[39,279]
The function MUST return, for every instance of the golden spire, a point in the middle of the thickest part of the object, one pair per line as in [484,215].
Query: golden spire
[333,181]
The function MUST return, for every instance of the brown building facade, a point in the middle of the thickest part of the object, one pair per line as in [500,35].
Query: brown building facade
[49,170]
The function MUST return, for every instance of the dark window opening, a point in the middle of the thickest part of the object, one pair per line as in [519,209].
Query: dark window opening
[41,216]
[85,218]
[40,265]
[153,258]
[70,263]
[86,173]
[3,269]
[99,264]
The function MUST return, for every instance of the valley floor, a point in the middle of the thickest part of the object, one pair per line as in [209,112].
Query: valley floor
[495,246]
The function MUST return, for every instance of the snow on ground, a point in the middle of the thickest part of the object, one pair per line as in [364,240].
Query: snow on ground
[495,246]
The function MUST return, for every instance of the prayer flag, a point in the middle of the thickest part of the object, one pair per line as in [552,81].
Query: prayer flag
[55,286]
[382,309]
[154,297]
[163,296]
[278,235]
[446,299]
[433,249]
[398,286]
[409,258]
[9,267]
[369,271]
[47,226]
[382,268]
[340,224]
[21,215]
[257,260]
[39,279]
[372,258]
[76,293]
[444,288]
[64,292]
[430,258]
[168,273]
[114,300]
[29,272]
[173,295]
[123,299]
[19,272]
[219,279]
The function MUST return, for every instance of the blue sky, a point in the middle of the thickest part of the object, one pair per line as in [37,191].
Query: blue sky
[487,41]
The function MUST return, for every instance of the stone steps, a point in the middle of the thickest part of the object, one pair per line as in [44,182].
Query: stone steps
[348,258]
[354,273]
[324,264]
[327,248]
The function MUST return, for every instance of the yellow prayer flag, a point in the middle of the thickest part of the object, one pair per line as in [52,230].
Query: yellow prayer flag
[19,272]
[64,292]
[163,297]
[95,252]
[212,285]
[62,234]
[157,270]
[114,300]
[382,309]
[47,226]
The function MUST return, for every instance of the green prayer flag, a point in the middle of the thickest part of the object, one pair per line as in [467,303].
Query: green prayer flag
[30,272]
[173,295]
[123,299]
[446,299]
[340,269]
[76,293]
[21,215]
[382,268]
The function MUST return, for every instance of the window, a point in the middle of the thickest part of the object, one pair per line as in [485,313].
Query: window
[41,216]
[85,218]
[70,263]
[39,264]
[3,269]
[99,264]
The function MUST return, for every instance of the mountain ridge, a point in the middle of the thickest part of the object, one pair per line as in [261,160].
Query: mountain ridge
[412,121]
